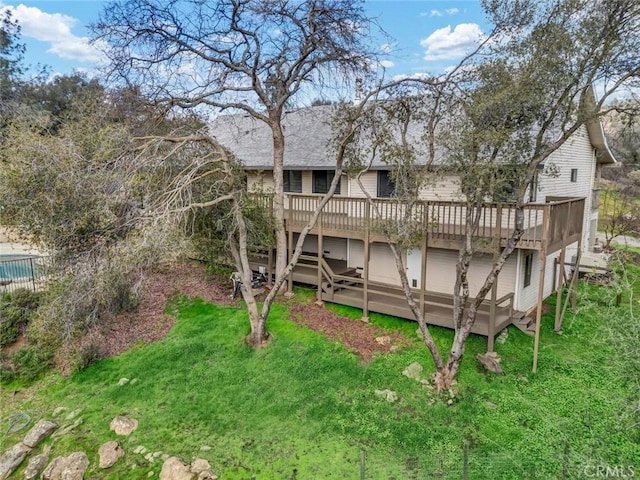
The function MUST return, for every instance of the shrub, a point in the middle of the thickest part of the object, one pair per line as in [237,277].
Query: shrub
[86,355]
[16,311]
[30,362]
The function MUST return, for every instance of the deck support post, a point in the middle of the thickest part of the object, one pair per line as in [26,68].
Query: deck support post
[367,255]
[491,332]
[320,257]
[423,260]
[543,266]
[290,253]
[560,288]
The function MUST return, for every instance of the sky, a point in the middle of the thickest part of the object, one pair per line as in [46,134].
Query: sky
[426,35]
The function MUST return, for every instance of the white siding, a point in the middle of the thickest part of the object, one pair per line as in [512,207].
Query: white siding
[446,188]
[369,182]
[576,153]
[441,272]
[333,247]
[382,265]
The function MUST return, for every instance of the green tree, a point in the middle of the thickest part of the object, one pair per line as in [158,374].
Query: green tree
[495,117]
[251,56]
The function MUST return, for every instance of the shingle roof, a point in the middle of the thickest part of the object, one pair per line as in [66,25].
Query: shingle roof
[307,133]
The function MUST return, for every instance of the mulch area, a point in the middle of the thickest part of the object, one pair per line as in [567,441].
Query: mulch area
[149,322]
[361,338]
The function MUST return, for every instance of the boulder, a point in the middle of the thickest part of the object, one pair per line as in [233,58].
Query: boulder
[109,454]
[123,425]
[12,458]
[72,467]
[39,432]
[75,466]
[36,464]
[200,465]
[54,469]
[174,469]
[388,395]
[490,361]
[413,371]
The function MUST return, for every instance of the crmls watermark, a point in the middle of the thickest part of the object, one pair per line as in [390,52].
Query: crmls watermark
[609,471]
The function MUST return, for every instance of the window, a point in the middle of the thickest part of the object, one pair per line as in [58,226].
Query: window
[322,181]
[528,268]
[293,181]
[574,175]
[386,185]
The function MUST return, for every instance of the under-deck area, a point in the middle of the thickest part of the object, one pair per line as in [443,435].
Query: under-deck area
[344,285]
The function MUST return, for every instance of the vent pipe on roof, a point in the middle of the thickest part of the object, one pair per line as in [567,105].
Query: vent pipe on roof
[358,97]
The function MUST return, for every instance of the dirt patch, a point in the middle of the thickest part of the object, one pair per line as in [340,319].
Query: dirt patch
[361,338]
[149,323]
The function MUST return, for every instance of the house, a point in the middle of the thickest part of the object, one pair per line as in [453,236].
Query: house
[355,265]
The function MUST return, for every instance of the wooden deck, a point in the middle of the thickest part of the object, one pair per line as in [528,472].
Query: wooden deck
[549,225]
[346,288]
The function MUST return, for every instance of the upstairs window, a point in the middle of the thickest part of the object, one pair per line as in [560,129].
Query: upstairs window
[293,181]
[322,181]
[386,185]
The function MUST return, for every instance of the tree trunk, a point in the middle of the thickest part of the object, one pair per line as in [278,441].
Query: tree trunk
[278,197]
[462,333]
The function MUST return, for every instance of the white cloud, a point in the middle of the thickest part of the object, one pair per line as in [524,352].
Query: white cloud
[55,29]
[435,13]
[386,63]
[445,43]
[386,48]
[452,11]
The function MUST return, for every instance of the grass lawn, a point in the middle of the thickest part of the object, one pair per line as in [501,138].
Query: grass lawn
[304,407]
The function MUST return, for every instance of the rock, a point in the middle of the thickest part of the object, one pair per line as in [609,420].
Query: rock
[67,428]
[12,458]
[384,340]
[17,422]
[208,475]
[39,432]
[413,371]
[36,464]
[174,469]
[123,425]
[109,454]
[490,361]
[388,395]
[59,410]
[74,466]
[54,469]
[502,338]
[123,381]
[200,465]
[74,414]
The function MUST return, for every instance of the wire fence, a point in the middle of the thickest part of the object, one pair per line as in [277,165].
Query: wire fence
[23,271]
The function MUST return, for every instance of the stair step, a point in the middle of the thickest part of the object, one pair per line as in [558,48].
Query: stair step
[526,324]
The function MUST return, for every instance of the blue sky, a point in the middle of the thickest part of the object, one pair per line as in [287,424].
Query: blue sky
[428,35]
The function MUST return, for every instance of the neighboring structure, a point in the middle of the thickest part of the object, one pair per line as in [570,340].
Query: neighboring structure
[355,266]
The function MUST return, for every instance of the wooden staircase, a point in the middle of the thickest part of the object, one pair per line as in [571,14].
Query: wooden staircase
[525,323]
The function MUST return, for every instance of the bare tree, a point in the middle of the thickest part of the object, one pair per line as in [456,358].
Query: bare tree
[252,56]
[504,110]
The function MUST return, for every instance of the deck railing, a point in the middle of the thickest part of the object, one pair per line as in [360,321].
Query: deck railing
[443,220]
